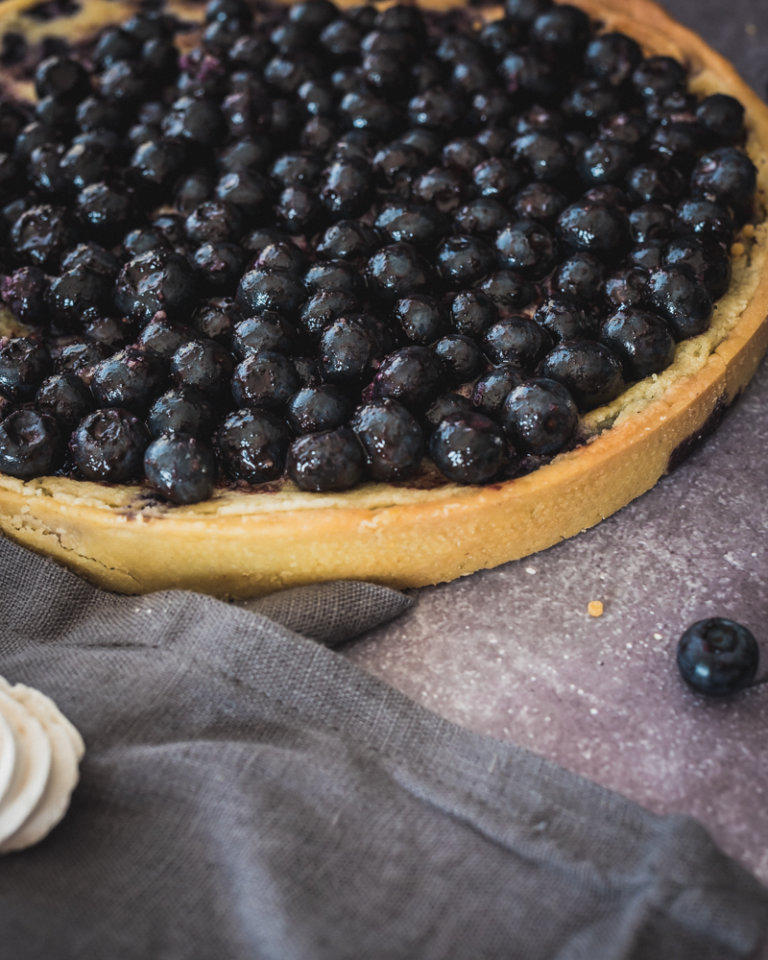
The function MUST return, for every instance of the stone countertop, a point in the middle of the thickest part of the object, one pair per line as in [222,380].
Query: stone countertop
[513,652]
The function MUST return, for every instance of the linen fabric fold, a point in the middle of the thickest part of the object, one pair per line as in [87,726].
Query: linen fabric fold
[248,793]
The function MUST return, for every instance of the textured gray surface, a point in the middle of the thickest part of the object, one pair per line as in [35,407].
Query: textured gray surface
[514,654]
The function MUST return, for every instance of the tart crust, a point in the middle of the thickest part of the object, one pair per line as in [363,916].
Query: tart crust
[244,542]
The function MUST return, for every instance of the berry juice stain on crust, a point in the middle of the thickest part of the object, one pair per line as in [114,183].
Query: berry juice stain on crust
[327,244]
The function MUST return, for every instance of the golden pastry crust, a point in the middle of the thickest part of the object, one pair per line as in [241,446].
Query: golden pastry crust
[245,542]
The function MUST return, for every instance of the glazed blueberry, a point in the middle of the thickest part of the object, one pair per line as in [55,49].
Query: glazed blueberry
[181,468]
[130,378]
[528,77]
[627,288]
[268,289]
[318,408]
[281,254]
[180,411]
[266,331]
[104,209]
[524,12]
[490,391]
[516,339]
[595,228]
[391,438]
[655,182]
[323,308]
[539,416]
[718,657]
[421,318]
[446,405]
[42,233]
[347,350]
[706,219]
[546,155]
[30,444]
[709,262]
[332,460]
[194,121]
[483,215]
[566,319]
[159,280]
[589,370]
[409,222]
[727,176]
[627,128]
[333,275]
[468,448]
[464,259]
[155,162]
[464,153]
[252,445]
[722,117]
[412,375]
[650,221]
[203,366]
[604,161]
[681,300]
[80,358]
[162,338]
[24,293]
[219,265]
[507,289]
[528,247]
[243,190]
[62,78]
[649,256]
[496,177]
[397,270]
[656,76]
[461,357]
[444,187]
[267,380]
[23,365]
[540,201]
[472,312]
[346,240]
[64,397]
[109,446]
[640,339]
[612,57]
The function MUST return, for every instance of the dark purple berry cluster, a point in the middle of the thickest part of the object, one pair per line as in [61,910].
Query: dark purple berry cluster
[331,244]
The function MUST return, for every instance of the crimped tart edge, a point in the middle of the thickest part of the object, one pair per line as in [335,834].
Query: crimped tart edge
[246,542]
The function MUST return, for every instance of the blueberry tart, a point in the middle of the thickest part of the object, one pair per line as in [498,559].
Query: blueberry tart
[300,292]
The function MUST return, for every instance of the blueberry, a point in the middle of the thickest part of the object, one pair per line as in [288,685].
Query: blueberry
[709,262]
[540,416]
[252,445]
[42,233]
[595,228]
[581,277]
[507,289]
[203,366]
[62,78]
[656,76]
[328,461]
[421,318]
[266,380]
[130,378]
[604,161]
[411,375]
[612,57]
[461,260]
[347,350]
[718,657]
[590,371]
[24,293]
[655,182]
[727,176]
[346,240]
[528,247]
[539,201]
[267,289]
[490,391]
[681,300]
[179,411]
[446,405]
[496,177]
[641,340]
[159,280]
[318,408]
[722,117]
[546,155]
[444,187]
[23,365]
[472,312]
[397,270]
[162,338]
[391,438]
[528,76]
[627,288]
[195,121]
[565,319]
[461,357]
[64,397]
[468,448]
[30,444]
[409,222]
[516,339]
[109,446]
[704,218]
[180,468]
[483,215]
[319,312]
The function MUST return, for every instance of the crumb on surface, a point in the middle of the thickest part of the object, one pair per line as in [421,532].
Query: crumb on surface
[595,608]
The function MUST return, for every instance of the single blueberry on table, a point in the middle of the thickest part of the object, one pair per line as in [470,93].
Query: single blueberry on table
[718,657]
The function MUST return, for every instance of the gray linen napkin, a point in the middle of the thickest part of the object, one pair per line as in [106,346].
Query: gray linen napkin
[248,793]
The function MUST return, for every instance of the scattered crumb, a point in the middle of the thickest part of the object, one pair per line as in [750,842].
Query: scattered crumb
[737,249]
[595,608]
[751,29]
[748,230]
[658,636]
[530,570]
